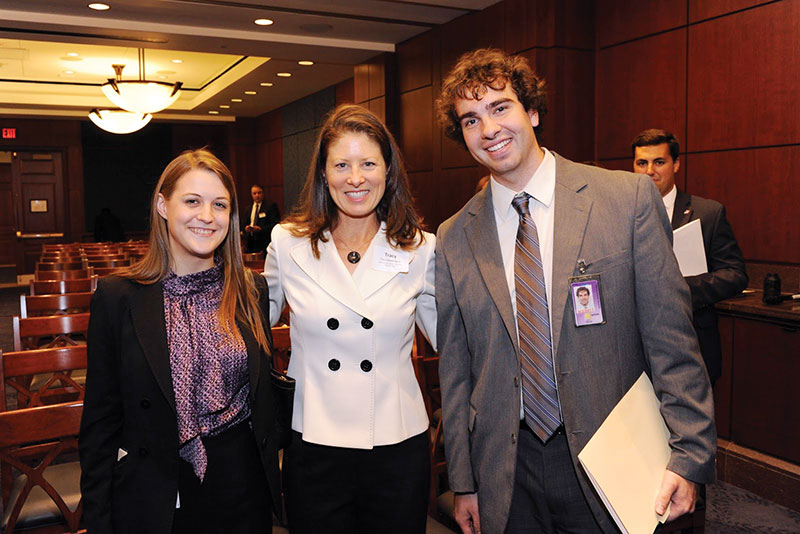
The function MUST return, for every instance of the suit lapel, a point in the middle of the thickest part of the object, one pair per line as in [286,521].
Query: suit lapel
[569,228]
[371,280]
[330,274]
[682,212]
[481,232]
[147,313]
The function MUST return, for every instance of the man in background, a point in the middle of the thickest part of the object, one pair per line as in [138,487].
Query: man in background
[656,153]
[258,221]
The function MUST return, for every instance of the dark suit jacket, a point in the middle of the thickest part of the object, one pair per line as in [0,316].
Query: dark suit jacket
[267,217]
[130,404]
[616,224]
[726,274]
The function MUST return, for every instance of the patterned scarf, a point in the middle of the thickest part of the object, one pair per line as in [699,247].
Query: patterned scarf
[209,370]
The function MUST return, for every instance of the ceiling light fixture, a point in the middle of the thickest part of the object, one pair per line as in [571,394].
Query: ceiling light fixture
[236,99]
[264,22]
[213,112]
[224,106]
[140,96]
[250,93]
[99,7]
[305,63]
[266,84]
[284,74]
[119,121]
[177,61]
[73,54]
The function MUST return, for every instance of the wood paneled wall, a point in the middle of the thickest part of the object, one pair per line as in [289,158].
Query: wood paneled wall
[556,36]
[723,76]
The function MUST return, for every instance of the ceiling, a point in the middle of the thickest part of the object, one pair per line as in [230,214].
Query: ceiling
[55,54]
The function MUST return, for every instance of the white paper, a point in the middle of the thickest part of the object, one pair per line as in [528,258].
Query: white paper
[391,260]
[626,459]
[687,243]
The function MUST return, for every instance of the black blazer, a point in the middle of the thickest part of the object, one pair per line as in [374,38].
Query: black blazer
[726,274]
[130,405]
[267,217]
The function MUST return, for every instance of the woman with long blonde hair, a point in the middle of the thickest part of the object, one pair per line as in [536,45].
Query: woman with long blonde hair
[178,424]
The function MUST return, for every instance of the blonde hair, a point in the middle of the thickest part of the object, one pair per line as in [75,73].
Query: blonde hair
[239,293]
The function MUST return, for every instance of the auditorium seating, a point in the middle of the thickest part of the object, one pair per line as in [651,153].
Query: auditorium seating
[60,287]
[50,331]
[33,306]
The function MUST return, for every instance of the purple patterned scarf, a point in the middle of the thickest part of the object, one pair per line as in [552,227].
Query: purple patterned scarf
[209,370]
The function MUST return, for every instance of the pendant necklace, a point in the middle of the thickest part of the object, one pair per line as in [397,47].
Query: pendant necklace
[353,256]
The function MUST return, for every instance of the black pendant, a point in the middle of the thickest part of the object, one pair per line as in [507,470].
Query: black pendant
[354,257]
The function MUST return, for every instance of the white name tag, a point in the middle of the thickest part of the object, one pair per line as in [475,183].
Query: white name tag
[391,260]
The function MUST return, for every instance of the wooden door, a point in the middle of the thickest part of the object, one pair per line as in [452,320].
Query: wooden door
[7,217]
[38,197]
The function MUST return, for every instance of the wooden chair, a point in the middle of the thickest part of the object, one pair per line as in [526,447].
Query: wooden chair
[93,259]
[110,263]
[281,348]
[45,495]
[105,271]
[16,369]
[60,287]
[60,266]
[64,275]
[50,331]
[36,306]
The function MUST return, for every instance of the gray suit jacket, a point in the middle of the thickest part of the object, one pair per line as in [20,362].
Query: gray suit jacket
[614,222]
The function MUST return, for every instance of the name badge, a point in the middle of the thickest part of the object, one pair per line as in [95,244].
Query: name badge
[586,300]
[390,260]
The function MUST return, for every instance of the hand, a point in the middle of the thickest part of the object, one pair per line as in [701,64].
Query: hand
[466,513]
[255,228]
[682,493]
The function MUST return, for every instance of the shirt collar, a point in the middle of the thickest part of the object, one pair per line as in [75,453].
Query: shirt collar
[669,198]
[541,186]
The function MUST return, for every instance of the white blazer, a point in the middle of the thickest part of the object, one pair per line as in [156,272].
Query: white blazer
[351,338]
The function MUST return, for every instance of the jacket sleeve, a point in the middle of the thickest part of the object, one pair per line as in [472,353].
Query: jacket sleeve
[670,344]
[726,274]
[455,376]
[101,423]
[426,302]
[272,273]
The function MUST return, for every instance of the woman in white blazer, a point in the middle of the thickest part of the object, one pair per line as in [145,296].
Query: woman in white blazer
[357,272]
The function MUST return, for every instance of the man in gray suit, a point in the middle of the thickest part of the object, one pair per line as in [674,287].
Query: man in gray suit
[524,386]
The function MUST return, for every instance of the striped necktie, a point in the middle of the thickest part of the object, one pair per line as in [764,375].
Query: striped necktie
[539,392]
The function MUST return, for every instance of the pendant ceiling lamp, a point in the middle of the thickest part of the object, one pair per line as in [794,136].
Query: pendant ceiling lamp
[142,95]
[119,121]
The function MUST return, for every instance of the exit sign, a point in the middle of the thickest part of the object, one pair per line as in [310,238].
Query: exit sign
[9,133]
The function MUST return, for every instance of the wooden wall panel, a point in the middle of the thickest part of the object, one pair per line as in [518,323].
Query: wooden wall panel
[378,107]
[377,77]
[454,154]
[705,9]
[760,189]
[423,186]
[640,85]
[453,188]
[415,62]
[469,32]
[416,129]
[361,83]
[345,92]
[622,20]
[722,389]
[744,79]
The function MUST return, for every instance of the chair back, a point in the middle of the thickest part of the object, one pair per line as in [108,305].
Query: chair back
[110,263]
[60,266]
[35,306]
[88,272]
[50,331]
[31,441]
[281,348]
[18,368]
[60,287]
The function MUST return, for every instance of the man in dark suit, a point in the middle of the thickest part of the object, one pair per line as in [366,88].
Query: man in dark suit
[520,396]
[656,153]
[257,222]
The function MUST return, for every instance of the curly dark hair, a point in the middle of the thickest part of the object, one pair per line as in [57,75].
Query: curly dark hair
[482,68]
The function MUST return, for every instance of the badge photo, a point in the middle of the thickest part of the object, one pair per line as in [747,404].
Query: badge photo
[586,300]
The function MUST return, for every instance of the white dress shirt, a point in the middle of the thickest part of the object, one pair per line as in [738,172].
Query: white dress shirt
[541,187]
[669,201]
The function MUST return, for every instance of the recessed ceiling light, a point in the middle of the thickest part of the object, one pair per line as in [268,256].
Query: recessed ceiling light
[162,77]
[305,63]
[99,7]
[263,22]
[68,72]
[266,84]
[214,112]
[236,100]
[285,74]
[224,106]
[73,54]
[177,61]
[250,93]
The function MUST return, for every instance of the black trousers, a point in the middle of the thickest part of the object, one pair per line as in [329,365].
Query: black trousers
[350,491]
[234,496]
[547,496]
